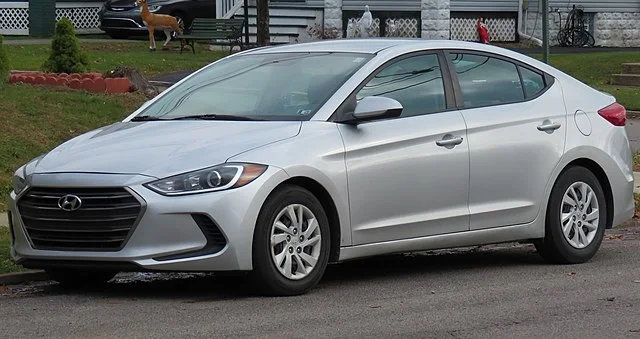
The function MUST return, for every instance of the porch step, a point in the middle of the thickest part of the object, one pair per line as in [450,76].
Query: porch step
[632,80]
[631,68]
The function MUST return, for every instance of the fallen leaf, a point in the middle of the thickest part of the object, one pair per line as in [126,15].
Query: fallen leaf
[635,331]
[374,306]
[571,273]
[637,281]
[611,299]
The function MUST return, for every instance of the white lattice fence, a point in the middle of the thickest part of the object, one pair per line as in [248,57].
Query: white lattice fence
[500,29]
[404,27]
[14,18]
[83,16]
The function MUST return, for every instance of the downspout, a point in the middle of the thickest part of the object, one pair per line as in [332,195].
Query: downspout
[520,32]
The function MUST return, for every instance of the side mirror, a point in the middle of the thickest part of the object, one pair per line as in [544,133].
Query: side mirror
[373,108]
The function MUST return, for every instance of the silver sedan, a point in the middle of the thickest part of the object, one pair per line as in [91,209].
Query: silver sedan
[277,161]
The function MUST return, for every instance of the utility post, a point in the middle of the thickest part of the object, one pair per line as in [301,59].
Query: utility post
[545,29]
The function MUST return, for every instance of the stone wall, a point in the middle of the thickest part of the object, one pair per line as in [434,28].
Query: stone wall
[617,29]
[608,29]
[333,15]
[436,16]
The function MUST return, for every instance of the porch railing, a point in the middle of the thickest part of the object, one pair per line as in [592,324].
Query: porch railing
[225,9]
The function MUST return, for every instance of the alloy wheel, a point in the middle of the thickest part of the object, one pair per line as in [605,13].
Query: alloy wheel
[579,215]
[295,241]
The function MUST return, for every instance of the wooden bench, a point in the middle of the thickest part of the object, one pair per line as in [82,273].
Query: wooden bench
[214,30]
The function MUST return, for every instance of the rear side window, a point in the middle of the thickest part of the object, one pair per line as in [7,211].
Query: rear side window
[487,81]
[532,82]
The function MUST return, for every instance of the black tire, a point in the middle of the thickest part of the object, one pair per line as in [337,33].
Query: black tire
[555,248]
[266,277]
[80,278]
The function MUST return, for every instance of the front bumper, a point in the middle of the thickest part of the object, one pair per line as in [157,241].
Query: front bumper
[166,237]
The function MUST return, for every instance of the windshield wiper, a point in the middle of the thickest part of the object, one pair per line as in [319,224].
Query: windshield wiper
[215,117]
[145,118]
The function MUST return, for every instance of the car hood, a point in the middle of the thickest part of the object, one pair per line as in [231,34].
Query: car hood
[161,148]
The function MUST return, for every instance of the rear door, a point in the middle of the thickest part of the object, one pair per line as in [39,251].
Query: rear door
[516,127]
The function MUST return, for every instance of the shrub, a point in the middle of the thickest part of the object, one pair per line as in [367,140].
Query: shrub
[66,56]
[4,64]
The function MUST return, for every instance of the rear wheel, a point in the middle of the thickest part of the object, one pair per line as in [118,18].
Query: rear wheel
[291,243]
[80,278]
[576,218]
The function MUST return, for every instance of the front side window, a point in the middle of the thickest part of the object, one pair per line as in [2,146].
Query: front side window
[416,82]
[487,81]
[274,86]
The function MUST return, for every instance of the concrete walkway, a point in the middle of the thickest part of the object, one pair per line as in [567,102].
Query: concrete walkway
[4,221]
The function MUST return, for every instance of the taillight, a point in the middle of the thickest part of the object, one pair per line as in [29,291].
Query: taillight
[616,114]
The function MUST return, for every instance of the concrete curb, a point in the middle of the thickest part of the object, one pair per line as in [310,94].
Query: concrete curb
[23,277]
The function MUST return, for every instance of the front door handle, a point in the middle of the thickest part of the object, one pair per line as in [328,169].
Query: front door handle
[449,141]
[548,126]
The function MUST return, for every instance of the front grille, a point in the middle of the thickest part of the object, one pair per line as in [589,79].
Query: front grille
[103,221]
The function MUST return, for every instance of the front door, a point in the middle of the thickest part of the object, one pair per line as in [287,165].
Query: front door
[408,177]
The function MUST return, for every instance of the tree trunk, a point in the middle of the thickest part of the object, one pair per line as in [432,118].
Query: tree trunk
[262,8]
[139,82]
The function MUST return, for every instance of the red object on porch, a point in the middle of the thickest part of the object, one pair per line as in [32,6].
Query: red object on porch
[483,31]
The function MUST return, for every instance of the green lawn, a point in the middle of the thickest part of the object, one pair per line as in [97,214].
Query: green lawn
[104,57]
[6,264]
[595,69]
[32,127]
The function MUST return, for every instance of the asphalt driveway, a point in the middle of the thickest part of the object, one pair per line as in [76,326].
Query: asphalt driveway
[494,292]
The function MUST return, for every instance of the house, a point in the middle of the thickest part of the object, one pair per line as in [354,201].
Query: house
[21,17]
[611,22]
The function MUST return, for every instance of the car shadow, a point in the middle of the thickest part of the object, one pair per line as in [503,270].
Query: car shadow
[203,287]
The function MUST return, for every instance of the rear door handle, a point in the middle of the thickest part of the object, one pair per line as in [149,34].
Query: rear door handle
[548,126]
[449,141]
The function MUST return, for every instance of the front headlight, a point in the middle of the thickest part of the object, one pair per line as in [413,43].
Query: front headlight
[18,181]
[210,179]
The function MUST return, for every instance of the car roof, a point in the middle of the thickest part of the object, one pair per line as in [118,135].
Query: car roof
[370,46]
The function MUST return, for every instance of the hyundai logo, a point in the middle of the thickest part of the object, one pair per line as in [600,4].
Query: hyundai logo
[69,203]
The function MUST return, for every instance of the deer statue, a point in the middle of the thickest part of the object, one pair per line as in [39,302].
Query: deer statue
[163,22]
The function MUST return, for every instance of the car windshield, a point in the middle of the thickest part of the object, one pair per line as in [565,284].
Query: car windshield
[274,86]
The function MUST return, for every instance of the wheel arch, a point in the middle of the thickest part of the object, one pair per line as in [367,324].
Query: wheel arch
[328,204]
[595,168]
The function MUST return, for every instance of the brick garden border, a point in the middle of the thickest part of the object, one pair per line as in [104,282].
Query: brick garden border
[90,82]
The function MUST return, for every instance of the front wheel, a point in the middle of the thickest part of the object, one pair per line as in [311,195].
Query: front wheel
[291,243]
[576,218]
